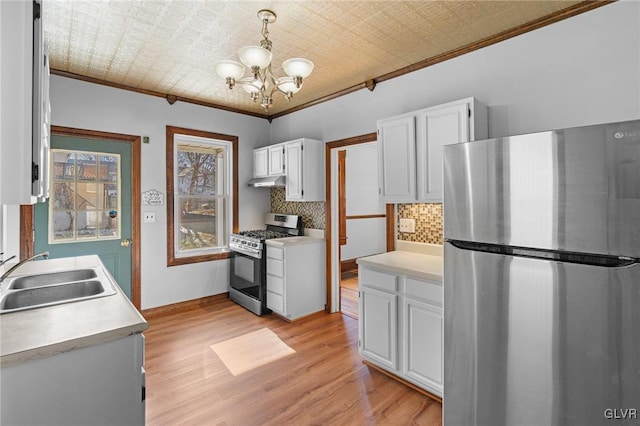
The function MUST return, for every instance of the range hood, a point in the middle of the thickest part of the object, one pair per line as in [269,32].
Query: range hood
[267,182]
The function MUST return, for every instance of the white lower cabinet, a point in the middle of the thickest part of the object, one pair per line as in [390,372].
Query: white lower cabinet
[295,276]
[102,384]
[378,324]
[401,326]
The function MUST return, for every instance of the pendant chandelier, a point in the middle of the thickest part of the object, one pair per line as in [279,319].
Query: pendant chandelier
[261,83]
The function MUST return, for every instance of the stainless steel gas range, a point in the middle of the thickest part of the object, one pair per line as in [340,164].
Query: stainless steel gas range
[249,261]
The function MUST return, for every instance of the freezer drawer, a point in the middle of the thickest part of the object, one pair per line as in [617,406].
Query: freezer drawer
[533,341]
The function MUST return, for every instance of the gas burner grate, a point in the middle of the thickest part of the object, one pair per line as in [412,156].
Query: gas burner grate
[264,234]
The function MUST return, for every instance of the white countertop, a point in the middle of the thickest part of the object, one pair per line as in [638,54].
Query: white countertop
[414,263]
[42,332]
[290,241]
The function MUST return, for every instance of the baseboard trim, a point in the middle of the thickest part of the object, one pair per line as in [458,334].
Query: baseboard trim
[183,306]
[404,382]
[348,265]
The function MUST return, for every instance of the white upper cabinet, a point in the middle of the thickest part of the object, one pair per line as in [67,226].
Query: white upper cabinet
[410,148]
[24,104]
[268,161]
[304,165]
[261,162]
[397,158]
[276,160]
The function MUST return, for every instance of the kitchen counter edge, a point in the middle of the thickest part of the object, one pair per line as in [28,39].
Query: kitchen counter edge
[418,265]
[43,332]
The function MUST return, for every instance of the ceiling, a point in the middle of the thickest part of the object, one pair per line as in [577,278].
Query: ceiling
[164,47]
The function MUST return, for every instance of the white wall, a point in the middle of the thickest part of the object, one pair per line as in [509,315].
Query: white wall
[89,106]
[583,70]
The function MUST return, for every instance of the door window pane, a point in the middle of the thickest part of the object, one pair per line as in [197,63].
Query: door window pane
[85,201]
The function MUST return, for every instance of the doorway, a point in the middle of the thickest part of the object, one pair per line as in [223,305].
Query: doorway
[96,183]
[357,224]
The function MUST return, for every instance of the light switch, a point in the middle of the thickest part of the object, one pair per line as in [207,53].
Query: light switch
[408,225]
[149,217]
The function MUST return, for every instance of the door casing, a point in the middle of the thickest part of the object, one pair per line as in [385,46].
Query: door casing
[331,251]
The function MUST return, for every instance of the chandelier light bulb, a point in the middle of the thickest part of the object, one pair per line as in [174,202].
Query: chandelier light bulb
[229,69]
[297,67]
[255,56]
[253,87]
[287,85]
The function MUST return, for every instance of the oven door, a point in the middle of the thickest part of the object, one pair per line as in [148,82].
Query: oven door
[248,276]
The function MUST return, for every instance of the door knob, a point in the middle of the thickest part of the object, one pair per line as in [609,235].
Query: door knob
[126,242]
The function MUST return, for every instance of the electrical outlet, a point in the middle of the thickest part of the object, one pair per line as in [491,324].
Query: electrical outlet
[408,225]
[149,217]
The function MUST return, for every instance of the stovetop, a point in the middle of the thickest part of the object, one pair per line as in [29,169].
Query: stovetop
[263,234]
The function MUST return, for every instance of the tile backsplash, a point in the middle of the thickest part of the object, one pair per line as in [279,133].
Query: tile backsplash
[428,217]
[312,213]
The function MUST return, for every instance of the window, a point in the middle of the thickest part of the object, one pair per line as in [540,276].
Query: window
[202,194]
[84,203]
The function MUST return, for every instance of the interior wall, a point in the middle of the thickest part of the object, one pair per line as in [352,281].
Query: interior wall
[90,106]
[579,71]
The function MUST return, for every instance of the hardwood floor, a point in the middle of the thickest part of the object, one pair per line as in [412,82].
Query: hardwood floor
[324,382]
[349,293]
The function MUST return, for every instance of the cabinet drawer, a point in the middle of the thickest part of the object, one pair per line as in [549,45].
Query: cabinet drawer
[428,291]
[275,284]
[381,280]
[275,253]
[275,302]
[275,267]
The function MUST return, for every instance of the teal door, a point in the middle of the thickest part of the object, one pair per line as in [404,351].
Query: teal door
[89,206]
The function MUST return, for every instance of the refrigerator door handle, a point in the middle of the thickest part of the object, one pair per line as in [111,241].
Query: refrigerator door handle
[607,261]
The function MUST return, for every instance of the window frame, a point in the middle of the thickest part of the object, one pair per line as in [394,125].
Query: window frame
[171,133]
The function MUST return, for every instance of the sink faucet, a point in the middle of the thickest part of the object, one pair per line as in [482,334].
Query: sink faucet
[44,255]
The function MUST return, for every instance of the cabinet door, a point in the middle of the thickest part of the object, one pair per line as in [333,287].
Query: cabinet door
[294,186]
[378,327]
[276,160]
[260,162]
[397,160]
[438,127]
[422,343]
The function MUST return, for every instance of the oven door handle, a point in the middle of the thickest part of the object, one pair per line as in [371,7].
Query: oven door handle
[248,252]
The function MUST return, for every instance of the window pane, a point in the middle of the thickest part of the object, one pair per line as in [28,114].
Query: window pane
[108,168]
[63,195]
[63,165]
[199,225]
[86,164]
[108,226]
[196,171]
[63,225]
[108,196]
[86,196]
[86,222]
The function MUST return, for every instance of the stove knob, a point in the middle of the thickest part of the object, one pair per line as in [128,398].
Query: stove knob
[254,245]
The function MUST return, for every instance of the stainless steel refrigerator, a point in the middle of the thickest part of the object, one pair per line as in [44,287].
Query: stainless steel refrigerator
[542,278]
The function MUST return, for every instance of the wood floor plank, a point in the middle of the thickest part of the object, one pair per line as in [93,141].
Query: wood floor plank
[324,382]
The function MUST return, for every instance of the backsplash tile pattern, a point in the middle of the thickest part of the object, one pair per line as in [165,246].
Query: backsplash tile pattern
[312,213]
[428,217]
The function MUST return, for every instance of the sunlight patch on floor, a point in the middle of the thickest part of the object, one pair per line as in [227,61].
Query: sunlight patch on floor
[251,350]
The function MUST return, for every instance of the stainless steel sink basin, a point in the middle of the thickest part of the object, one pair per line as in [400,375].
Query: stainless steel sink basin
[40,290]
[40,280]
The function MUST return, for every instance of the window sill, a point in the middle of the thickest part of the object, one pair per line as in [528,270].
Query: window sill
[175,261]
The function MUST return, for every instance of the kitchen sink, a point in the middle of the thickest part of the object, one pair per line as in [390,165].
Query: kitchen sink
[40,280]
[37,291]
